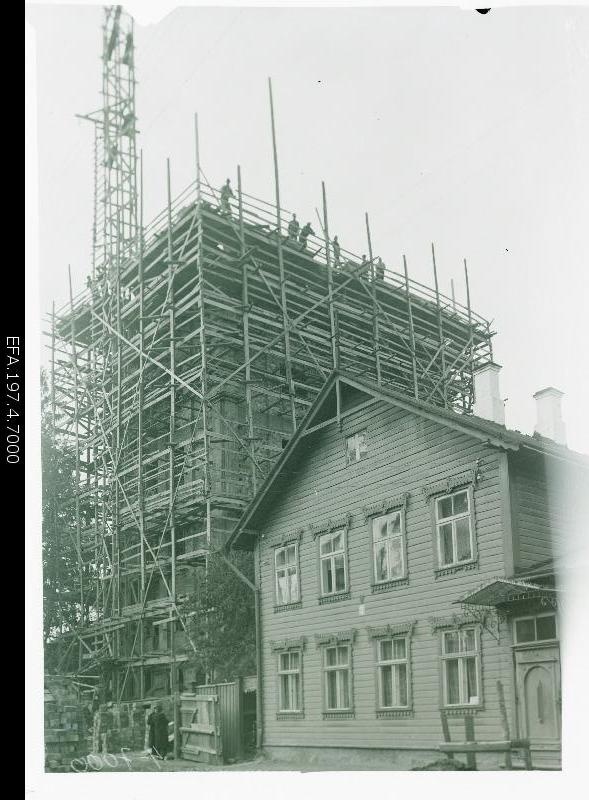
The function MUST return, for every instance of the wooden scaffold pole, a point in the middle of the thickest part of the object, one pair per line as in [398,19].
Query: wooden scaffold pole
[77,456]
[171,478]
[375,325]
[203,336]
[140,432]
[245,306]
[283,297]
[440,329]
[470,330]
[411,330]
[332,324]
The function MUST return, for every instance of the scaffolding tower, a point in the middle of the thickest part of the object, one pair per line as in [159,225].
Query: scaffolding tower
[182,370]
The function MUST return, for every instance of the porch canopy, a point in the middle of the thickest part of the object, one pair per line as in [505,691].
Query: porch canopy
[505,590]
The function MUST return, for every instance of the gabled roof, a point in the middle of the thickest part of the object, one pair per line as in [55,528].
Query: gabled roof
[324,410]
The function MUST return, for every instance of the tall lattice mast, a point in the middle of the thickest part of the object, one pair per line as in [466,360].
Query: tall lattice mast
[115,225]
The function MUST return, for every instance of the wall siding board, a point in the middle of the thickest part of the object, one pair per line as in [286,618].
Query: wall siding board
[405,454]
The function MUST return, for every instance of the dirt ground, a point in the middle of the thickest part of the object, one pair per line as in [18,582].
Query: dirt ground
[142,762]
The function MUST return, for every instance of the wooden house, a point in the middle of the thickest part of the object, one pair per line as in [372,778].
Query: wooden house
[404,558]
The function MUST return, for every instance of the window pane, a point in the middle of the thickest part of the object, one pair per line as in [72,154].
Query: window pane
[326,576]
[396,558]
[444,507]
[331,656]
[280,558]
[472,694]
[446,549]
[460,503]
[401,682]
[294,660]
[351,450]
[546,627]
[284,695]
[451,644]
[386,650]
[332,689]
[386,686]
[290,554]
[282,588]
[342,655]
[463,550]
[380,562]
[400,649]
[379,528]
[326,545]
[344,688]
[295,684]
[337,543]
[452,686]
[394,525]
[362,446]
[294,586]
[468,640]
[340,574]
[525,630]
[284,661]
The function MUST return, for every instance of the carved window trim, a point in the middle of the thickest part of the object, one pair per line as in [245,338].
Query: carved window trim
[290,646]
[295,540]
[402,630]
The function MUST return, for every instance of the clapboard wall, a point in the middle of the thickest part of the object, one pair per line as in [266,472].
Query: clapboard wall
[405,454]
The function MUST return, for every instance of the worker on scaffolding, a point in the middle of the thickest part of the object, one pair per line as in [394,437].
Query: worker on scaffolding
[336,251]
[379,269]
[293,229]
[306,231]
[226,194]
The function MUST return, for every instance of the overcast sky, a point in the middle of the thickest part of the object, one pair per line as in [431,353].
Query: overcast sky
[447,126]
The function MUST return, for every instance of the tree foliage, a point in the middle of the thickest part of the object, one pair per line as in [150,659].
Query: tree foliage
[61,608]
[221,619]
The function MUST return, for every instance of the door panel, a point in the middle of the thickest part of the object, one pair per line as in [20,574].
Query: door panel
[540,704]
[538,689]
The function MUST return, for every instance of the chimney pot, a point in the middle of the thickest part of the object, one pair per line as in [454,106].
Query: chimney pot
[549,422]
[488,402]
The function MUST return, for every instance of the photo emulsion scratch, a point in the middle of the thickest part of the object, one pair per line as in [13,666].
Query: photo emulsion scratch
[288,522]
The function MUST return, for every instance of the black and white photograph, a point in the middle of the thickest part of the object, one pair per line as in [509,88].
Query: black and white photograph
[307,364]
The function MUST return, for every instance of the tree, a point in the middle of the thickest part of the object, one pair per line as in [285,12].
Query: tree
[221,619]
[61,607]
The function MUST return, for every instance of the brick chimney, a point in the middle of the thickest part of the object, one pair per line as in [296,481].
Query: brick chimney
[549,422]
[488,402]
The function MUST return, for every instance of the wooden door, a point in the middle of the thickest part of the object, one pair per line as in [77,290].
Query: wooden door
[538,692]
[201,728]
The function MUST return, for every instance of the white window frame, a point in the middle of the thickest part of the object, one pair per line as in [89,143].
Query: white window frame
[285,568]
[535,617]
[338,669]
[373,521]
[290,672]
[392,662]
[360,447]
[461,657]
[331,557]
[452,520]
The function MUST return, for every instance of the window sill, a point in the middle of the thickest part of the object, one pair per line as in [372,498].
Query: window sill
[386,586]
[286,715]
[451,569]
[460,711]
[288,606]
[333,598]
[339,715]
[393,713]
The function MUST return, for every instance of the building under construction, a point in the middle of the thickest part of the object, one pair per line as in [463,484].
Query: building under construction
[180,372]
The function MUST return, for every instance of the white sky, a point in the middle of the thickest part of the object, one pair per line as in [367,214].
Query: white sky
[445,125]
